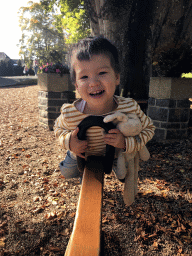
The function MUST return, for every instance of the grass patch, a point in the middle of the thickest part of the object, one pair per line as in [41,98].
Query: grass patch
[188,75]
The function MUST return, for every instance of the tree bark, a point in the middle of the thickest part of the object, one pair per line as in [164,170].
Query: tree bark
[136,50]
[141,29]
[127,24]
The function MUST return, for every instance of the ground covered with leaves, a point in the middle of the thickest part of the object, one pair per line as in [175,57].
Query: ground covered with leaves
[38,206]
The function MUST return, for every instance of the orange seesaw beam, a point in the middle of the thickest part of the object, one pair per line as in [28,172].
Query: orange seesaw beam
[86,234]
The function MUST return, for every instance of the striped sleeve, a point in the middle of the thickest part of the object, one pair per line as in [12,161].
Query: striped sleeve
[61,129]
[136,143]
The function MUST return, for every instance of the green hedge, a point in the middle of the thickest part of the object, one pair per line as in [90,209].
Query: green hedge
[8,69]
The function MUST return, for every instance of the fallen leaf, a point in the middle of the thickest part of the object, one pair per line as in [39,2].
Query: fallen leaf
[60,214]
[45,180]
[55,184]
[36,199]
[2,231]
[72,214]
[160,187]
[65,232]
[105,220]
[147,192]
[61,177]
[30,230]
[2,244]
[3,224]
[38,210]
[152,235]
[155,244]
[42,234]
[110,201]
[54,249]
[51,215]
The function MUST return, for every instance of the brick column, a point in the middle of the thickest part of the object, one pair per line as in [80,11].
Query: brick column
[190,118]
[49,106]
[169,107]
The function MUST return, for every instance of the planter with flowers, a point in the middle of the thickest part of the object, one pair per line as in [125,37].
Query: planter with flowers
[55,90]
[169,93]
[54,78]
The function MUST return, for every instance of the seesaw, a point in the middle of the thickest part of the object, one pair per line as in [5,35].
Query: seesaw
[85,239]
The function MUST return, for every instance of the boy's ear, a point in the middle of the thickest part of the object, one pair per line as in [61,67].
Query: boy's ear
[76,86]
[117,78]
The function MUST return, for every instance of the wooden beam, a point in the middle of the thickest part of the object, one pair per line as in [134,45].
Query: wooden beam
[86,234]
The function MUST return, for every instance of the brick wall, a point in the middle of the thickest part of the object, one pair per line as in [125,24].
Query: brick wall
[170,117]
[49,104]
[190,118]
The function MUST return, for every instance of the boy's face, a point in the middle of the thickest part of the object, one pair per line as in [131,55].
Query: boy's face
[96,80]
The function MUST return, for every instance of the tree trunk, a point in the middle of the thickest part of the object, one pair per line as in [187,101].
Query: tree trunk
[136,50]
[127,24]
[93,8]
[171,29]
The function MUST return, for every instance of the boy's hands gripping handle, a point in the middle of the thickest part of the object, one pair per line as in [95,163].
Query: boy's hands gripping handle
[110,151]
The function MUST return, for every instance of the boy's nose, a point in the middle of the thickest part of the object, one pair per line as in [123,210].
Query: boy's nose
[93,82]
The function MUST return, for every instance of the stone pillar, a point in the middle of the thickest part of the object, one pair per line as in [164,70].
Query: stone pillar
[49,106]
[190,118]
[169,107]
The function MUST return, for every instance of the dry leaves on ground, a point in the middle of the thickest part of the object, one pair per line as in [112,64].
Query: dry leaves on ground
[38,206]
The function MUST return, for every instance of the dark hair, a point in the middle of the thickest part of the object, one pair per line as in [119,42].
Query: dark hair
[90,46]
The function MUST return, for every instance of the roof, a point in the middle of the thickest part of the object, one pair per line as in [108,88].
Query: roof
[3,56]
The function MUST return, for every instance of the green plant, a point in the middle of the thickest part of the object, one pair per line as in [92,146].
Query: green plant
[57,68]
[188,75]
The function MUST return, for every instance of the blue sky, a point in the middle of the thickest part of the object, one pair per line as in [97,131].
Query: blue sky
[10,32]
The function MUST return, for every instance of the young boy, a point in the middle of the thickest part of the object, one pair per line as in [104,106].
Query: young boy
[95,72]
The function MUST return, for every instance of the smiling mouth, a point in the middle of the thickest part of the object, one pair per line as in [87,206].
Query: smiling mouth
[97,93]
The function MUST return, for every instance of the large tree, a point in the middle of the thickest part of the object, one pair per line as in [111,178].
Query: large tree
[73,18]
[143,30]
[40,37]
[127,23]
[122,22]
[146,32]
[171,38]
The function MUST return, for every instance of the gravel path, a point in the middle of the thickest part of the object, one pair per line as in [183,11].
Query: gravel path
[38,206]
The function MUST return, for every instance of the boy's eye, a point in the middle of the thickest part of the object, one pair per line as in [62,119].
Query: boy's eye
[84,77]
[102,73]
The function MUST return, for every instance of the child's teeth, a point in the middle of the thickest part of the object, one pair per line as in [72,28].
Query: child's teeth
[96,92]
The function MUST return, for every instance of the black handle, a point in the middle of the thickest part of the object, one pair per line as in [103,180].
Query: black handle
[110,150]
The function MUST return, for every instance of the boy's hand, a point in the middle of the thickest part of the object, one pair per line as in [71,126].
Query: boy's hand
[115,138]
[77,146]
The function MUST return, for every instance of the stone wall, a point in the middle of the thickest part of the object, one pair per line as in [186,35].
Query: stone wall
[169,107]
[49,104]
[170,117]
[190,118]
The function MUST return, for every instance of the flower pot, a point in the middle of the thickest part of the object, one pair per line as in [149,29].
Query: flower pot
[52,82]
[169,106]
